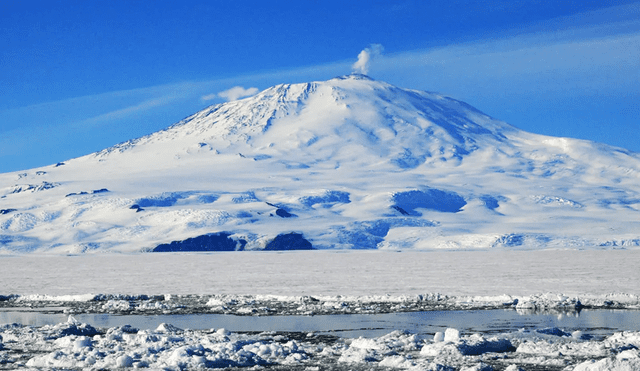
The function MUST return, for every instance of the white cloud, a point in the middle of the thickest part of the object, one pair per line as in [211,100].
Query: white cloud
[365,57]
[234,93]
[208,97]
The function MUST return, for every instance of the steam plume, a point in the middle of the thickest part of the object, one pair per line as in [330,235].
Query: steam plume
[365,57]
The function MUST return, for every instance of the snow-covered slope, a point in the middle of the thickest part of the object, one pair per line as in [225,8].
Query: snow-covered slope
[345,163]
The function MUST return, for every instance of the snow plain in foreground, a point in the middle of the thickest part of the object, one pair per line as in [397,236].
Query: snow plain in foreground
[327,273]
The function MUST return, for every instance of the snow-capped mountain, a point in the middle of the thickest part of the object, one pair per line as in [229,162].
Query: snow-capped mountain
[344,163]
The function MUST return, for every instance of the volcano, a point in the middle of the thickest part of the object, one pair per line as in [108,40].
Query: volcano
[348,163]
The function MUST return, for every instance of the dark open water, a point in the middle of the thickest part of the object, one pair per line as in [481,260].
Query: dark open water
[597,323]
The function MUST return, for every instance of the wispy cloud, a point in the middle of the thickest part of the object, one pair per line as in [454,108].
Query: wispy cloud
[125,112]
[586,55]
[209,97]
[232,94]
[521,65]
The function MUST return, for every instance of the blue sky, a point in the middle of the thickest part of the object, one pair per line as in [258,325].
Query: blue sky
[79,76]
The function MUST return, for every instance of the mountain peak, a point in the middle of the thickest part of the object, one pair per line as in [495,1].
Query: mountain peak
[354,76]
[378,122]
[344,163]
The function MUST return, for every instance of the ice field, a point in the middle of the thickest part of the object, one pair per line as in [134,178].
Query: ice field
[327,273]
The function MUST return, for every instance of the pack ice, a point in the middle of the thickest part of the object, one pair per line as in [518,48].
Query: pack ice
[75,345]
[347,163]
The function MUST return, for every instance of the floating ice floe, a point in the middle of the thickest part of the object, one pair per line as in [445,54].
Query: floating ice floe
[316,305]
[80,346]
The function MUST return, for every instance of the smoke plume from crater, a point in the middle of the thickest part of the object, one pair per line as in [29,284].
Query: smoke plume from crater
[365,57]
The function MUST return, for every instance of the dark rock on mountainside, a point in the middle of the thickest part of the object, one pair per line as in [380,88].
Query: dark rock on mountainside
[208,242]
[281,211]
[399,209]
[284,213]
[136,207]
[289,241]
[77,194]
[34,187]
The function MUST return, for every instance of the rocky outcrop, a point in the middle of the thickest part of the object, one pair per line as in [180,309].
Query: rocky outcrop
[209,242]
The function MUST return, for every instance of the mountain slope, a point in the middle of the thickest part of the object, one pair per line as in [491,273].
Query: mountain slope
[344,163]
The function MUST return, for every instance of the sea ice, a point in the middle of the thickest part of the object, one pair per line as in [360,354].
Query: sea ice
[76,345]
